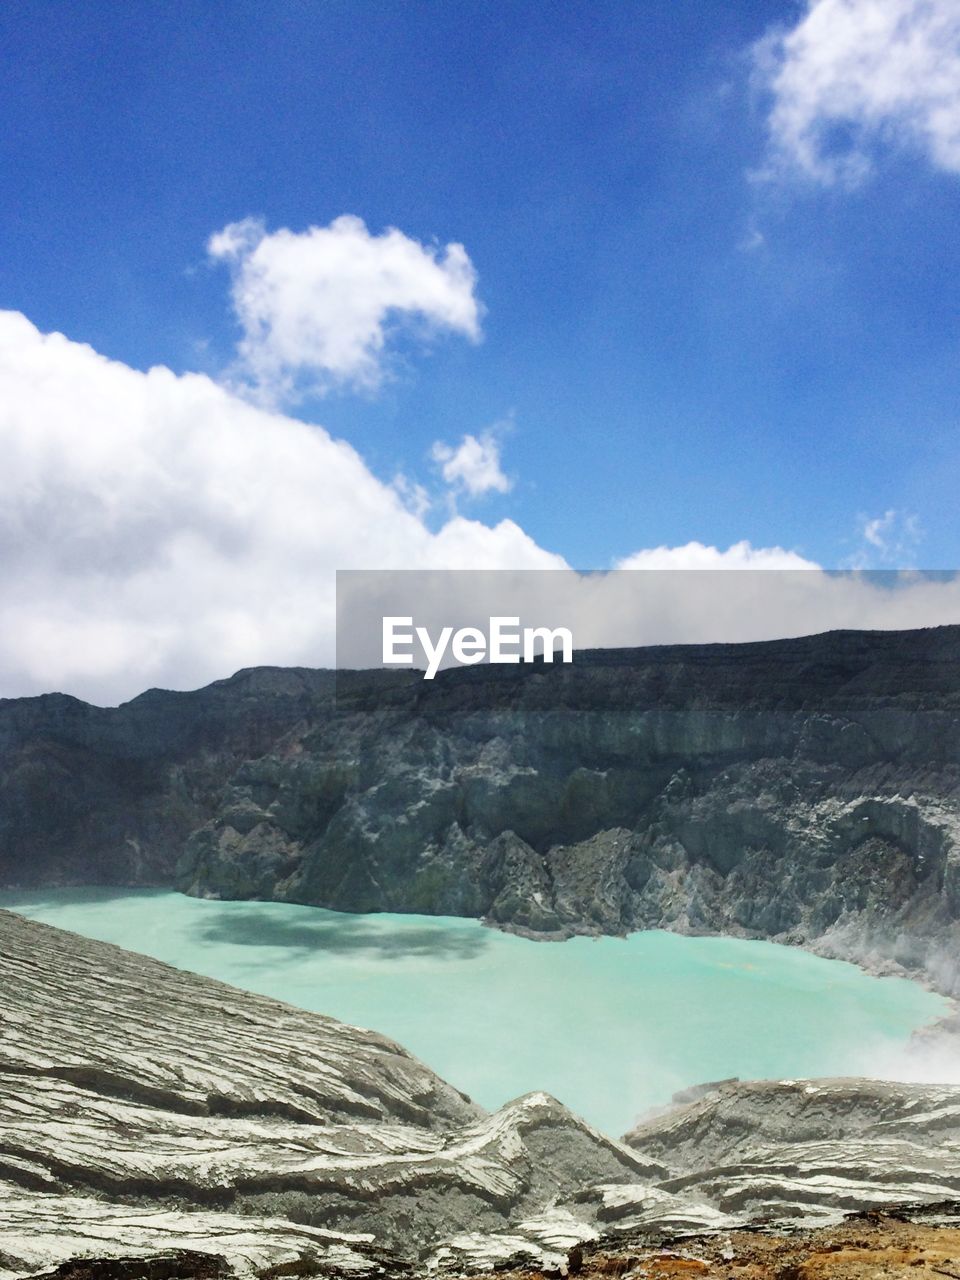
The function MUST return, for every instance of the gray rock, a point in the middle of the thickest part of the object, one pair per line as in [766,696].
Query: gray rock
[803,790]
[147,1113]
[145,1109]
[798,1150]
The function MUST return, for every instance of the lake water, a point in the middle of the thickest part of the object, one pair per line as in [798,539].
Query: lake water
[611,1026]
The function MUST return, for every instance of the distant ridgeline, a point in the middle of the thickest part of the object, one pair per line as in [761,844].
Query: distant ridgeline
[804,790]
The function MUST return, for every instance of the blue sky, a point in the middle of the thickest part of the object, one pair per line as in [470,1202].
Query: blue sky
[691,330]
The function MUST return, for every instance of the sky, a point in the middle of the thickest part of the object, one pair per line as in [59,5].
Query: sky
[292,287]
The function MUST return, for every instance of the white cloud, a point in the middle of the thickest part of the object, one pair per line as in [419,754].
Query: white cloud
[672,603]
[156,529]
[701,605]
[317,307]
[694,555]
[887,541]
[473,466]
[852,73]
[412,494]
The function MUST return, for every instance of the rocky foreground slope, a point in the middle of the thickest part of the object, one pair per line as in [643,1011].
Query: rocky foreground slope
[803,790]
[143,1110]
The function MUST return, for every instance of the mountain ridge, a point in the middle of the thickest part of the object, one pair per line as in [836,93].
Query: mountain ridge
[805,790]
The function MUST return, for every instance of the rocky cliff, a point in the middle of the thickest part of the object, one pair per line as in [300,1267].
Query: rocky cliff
[109,795]
[149,1114]
[803,790]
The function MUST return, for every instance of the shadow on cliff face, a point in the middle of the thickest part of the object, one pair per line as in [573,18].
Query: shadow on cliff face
[263,928]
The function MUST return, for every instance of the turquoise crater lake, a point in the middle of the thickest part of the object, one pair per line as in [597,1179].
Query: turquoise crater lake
[611,1026]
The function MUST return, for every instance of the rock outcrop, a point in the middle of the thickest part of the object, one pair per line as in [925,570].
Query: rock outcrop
[766,1151]
[143,1108]
[802,790]
[146,1113]
[109,795]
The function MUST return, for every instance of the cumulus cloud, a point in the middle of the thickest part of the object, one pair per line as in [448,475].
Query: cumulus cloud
[317,308]
[156,529]
[854,73]
[694,555]
[473,467]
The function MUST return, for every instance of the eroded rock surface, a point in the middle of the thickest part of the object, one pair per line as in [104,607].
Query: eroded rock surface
[149,1113]
[143,1108]
[773,1150]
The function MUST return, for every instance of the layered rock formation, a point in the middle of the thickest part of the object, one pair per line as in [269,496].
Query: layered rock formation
[109,795]
[144,1108]
[151,1114]
[803,790]
[767,1151]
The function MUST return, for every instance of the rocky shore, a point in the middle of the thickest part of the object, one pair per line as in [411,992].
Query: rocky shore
[158,1124]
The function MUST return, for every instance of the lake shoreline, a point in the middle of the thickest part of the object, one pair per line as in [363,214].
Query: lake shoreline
[600,1019]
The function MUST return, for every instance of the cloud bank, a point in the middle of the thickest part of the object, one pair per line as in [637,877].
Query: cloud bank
[650,606]
[157,529]
[163,529]
[316,308]
[694,555]
[852,74]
